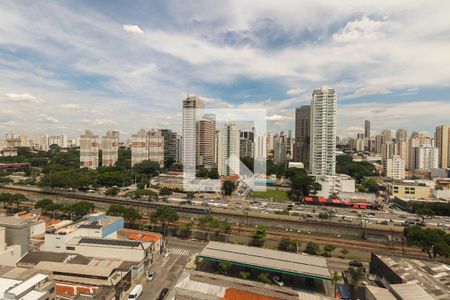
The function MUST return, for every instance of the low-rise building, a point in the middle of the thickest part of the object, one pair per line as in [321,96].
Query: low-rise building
[394,167]
[406,190]
[24,284]
[335,184]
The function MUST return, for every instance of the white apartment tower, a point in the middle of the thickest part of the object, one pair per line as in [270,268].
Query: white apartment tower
[323,131]
[425,158]
[89,150]
[110,148]
[394,167]
[147,145]
[192,109]
[228,145]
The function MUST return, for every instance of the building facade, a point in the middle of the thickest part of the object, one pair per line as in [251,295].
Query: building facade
[394,167]
[302,133]
[192,108]
[442,140]
[147,145]
[425,158]
[110,148]
[170,145]
[323,132]
[204,142]
[228,146]
[89,147]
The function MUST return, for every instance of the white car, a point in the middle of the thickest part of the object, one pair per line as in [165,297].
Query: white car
[151,275]
[277,280]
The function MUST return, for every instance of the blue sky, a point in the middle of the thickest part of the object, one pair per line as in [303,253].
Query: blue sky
[70,65]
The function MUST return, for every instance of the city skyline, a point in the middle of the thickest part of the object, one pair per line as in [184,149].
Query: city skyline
[116,68]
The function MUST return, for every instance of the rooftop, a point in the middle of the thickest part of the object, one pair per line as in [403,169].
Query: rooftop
[12,222]
[433,277]
[410,291]
[101,242]
[290,263]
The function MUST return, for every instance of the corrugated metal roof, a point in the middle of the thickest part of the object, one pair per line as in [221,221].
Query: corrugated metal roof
[410,291]
[276,260]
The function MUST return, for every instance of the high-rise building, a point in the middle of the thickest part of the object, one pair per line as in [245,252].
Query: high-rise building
[260,147]
[378,142]
[40,142]
[205,134]
[394,167]
[401,135]
[442,142]
[228,144]
[302,133]
[59,140]
[147,145]
[280,148]
[387,135]
[247,143]
[89,150]
[110,148]
[269,144]
[192,110]
[170,145]
[359,144]
[179,149]
[323,131]
[388,150]
[425,158]
[367,129]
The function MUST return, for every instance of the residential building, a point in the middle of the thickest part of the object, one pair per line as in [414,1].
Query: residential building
[302,133]
[192,110]
[170,145]
[40,142]
[247,143]
[425,158]
[89,147]
[110,148]
[204,142]
[280,148]
[388,150]
[323,132]
[147,145]
[442,141]
[260,144]
[402,149]
[367,129]
[401,135]
[228,146]
[269,144]
[179,149]
[394,167]
[387,135]
[378,143]
[59,140]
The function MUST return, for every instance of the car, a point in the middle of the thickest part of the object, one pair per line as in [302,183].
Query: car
[136,292]
[151,275]
[163,293]
[278,280]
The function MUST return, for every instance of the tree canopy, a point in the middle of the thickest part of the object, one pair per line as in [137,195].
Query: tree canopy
[432,241]
[164,216]
[357,170]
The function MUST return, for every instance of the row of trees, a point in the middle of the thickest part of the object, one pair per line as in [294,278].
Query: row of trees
[357,170]
[73,210]
[12,199]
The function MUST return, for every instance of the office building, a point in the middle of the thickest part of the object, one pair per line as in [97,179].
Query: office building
[377,143]
[89,147]
[394,167]
[147,145]
[280,148]
[323,132]
[425,158]
[260,144]
[228,146]
[442,141]
[269,145]
[367,129]
[387,135]
[179,149]
[302,133]
[192,109]
[388,150]
[204,142]
[110,148]
[170,145]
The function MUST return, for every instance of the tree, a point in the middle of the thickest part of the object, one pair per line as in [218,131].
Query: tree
[425,213]
[17,199]
[259,236]
[5,180]
[139,193]
[287,244]
[357,170]
[185,229]
[356,274]
[147,167]
[164,215]
[164,192]
[113,191]
[81,208]
[312,248]
[431,241]
[264,277]
[301,184]
[328,249]
[371,185]
[190,196]
[228,187]
[244,275]
[344,252]
[213,173]
[6,198]
[43,203]
[225,266]
[334,279]
[131,215]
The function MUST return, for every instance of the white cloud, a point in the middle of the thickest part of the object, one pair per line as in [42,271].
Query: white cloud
[48,119]
[104,122]
[276,118]
[370,90]
[361,30]
[295,91]
[71,106]
[132,29]
[22,98]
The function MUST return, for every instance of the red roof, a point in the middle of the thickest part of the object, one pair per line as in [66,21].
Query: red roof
[235,294]
[321,199]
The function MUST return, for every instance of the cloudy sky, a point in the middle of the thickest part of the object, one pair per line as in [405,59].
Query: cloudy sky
[70,65]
